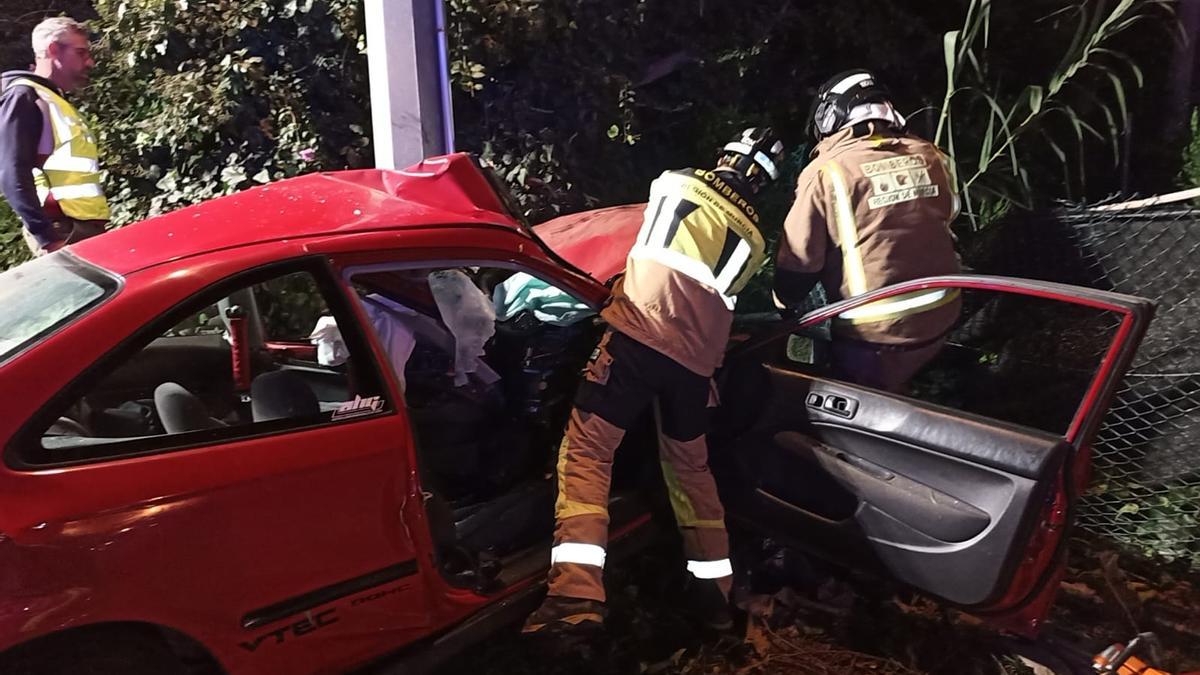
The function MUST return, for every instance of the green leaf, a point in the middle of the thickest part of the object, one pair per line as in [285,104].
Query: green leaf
[985,148]
[1071,55]
[1055,148]
[1137,73]
[1079,124]
[1118,86]
[613,132]
[1128,509]
[233,176]
[987,24]
[1036,95]
[950,53]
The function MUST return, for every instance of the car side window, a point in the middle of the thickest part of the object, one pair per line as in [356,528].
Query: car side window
[289,307]
[208,374]
[1011,357]
[205,322]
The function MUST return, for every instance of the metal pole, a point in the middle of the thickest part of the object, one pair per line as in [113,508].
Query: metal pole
[410,94]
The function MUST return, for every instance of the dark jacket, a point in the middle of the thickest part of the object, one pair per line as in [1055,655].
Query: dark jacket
[21,124]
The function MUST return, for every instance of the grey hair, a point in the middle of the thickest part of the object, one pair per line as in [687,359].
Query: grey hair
[50,30]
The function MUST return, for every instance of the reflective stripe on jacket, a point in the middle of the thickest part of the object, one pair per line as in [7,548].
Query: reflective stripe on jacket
[71,174]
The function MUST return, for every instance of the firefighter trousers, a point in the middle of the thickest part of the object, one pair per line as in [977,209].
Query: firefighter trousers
[886,367]
[623,379]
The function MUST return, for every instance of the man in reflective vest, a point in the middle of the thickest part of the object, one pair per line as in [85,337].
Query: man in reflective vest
[49,167]
[669,321]
[872,209]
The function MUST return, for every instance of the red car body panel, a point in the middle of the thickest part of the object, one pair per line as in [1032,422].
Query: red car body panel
[595,241]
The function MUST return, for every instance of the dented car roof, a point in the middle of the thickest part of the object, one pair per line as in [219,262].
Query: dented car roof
[437,191]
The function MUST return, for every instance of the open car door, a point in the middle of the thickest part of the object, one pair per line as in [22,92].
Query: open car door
[965,487]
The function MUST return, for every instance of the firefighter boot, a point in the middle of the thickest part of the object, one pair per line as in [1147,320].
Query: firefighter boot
[709,604]
[563,615]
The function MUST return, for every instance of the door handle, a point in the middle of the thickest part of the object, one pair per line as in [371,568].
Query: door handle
[842,406]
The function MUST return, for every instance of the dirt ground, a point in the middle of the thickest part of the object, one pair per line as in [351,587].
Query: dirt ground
[806,618]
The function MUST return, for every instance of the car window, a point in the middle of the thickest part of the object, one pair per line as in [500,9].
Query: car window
[289,307]
[45,294]
[203,377]
[1015,358]
[207,321]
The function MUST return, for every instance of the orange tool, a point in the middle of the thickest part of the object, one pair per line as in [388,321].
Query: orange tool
[1120,659]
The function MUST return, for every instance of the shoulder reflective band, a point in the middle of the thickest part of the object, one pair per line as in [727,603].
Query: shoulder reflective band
[900,305]
[847,228]
[710,569]
[580,554]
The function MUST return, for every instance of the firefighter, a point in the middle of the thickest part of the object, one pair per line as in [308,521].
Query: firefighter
[872,209]
[49,166]
[669,321]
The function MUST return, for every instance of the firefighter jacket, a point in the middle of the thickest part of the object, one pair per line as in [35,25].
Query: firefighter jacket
[70,175]
[873,209]
[698,246]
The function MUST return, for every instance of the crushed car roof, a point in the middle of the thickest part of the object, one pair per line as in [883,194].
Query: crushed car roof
[447,190]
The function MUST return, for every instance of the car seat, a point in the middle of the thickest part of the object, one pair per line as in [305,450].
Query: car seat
[281,395]
[181,411]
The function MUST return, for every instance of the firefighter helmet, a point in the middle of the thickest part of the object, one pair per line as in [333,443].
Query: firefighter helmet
[841,94]
[755,153]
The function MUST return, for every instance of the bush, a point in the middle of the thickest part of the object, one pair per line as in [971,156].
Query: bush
[199,98]
[12,245]
[582,104]
[1189,173]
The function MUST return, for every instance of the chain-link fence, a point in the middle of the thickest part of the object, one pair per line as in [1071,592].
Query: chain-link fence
[1145,491]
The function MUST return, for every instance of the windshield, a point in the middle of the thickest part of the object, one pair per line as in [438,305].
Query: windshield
[44,294]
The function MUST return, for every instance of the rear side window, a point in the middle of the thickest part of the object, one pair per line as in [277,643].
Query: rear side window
[290,306]
[206,374]
[45,294]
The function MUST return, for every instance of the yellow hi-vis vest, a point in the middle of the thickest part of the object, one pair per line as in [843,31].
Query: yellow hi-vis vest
[71,174]
[697,224]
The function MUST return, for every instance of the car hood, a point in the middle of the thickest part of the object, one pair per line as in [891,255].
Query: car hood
[596,241]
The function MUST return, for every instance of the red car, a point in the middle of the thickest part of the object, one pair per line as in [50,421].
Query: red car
[306,428]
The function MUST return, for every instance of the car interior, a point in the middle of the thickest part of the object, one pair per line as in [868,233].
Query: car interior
[938,487]
[183,381]
[487,443]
